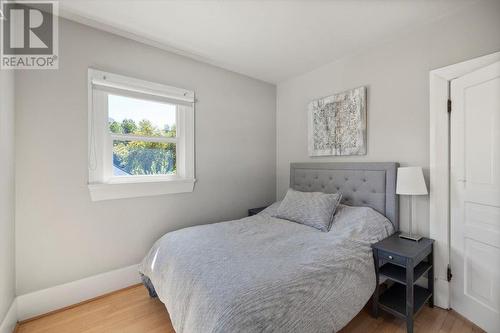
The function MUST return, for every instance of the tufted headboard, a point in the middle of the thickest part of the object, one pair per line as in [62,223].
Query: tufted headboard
[362,184]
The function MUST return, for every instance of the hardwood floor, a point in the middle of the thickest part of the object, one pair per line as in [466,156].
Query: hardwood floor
[132,311]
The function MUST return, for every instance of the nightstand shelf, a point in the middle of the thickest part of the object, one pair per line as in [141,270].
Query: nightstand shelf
[398,274]
[393,300]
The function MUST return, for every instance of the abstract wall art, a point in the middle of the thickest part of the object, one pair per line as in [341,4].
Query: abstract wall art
[337,124]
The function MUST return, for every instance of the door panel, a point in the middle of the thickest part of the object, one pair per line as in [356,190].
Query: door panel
[481,134]
[481,278]
[475,196]
[484,217]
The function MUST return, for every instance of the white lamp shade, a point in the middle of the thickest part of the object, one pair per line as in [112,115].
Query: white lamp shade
[411,181]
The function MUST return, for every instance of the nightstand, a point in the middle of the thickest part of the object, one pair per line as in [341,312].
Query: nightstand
[403,262]
[254,211]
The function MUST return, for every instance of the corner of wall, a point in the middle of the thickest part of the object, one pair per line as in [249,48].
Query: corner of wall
[8,305]
[9,323]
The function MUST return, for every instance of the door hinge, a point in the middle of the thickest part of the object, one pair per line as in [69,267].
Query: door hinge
[448,274]
[449,105]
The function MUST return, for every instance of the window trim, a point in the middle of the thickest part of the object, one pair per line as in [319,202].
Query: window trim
[101,185]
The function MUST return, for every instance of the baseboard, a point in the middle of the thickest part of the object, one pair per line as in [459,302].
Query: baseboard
[9,322]
[422,282]
[58,297]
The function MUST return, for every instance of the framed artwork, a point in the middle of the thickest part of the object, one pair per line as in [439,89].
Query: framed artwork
[337,124]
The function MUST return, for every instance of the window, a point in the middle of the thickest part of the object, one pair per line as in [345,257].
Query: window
[141,137]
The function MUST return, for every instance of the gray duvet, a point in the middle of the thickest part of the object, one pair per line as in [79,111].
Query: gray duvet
[263,274]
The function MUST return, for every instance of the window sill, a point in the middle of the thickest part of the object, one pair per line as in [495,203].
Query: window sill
[110,191]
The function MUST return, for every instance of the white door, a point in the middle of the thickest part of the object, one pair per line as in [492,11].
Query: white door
[475,197]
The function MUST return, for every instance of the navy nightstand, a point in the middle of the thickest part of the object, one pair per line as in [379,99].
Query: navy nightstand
[403,262]
[254,211]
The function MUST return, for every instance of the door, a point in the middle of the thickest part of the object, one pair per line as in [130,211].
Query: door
[475,197]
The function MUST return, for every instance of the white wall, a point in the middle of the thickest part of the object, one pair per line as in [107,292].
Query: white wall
[63,236]
[7,258]
[397,76]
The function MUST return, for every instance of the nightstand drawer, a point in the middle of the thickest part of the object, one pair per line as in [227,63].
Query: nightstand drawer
[392,258]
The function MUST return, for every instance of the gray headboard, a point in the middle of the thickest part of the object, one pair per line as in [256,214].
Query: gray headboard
[362,184]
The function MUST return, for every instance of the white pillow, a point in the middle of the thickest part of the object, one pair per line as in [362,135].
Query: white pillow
[314,209]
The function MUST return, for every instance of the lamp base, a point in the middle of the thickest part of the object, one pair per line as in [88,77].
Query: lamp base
[412,237]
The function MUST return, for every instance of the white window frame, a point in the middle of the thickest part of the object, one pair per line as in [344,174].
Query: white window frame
[102,184]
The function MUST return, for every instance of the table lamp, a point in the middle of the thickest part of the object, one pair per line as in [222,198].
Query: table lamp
[410,181]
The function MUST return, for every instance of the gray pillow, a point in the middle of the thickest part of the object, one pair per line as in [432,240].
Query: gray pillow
[314,209]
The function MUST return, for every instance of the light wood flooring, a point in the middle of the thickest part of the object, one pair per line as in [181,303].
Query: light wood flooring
[132,311]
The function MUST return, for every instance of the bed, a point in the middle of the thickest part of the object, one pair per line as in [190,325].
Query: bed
[264,274]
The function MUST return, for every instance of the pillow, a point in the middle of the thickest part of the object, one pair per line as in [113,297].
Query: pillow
[314,209]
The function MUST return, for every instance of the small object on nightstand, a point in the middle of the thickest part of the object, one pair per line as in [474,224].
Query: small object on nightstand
[402,261]
[254,211]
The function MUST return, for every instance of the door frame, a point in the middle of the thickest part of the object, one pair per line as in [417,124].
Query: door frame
[439,167]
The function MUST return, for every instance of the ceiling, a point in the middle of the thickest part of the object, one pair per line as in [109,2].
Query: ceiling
[268,40]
